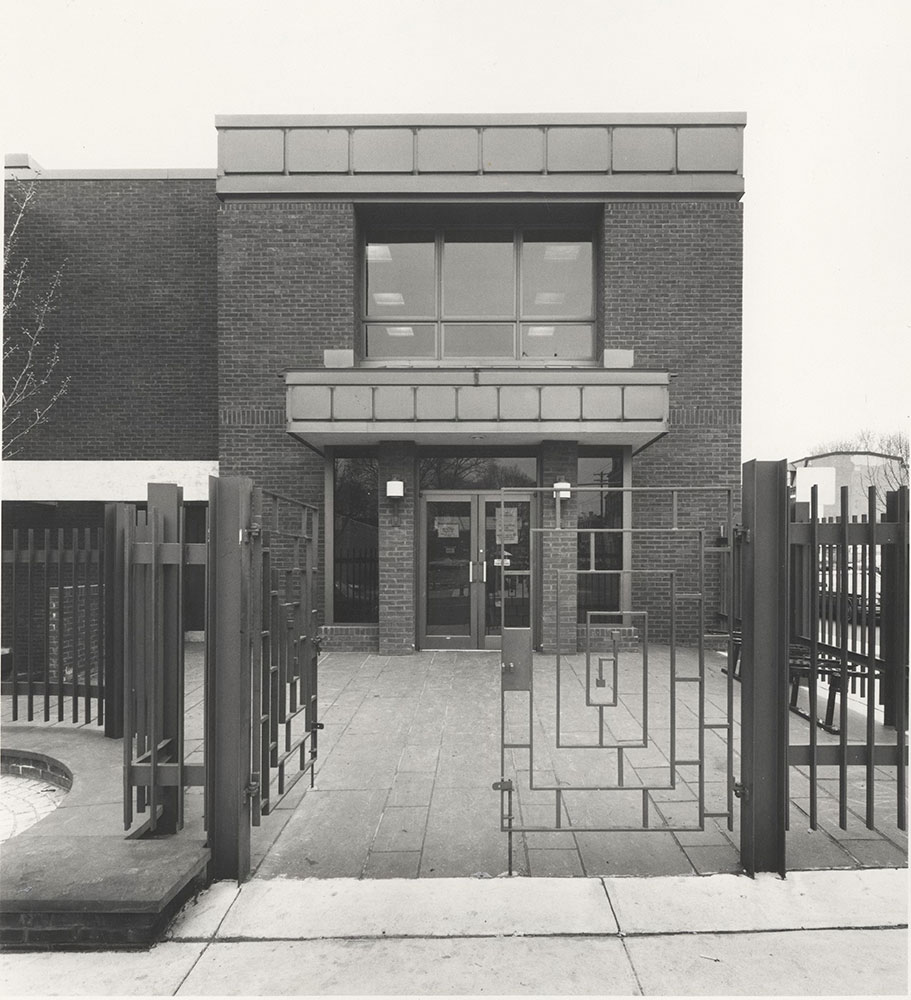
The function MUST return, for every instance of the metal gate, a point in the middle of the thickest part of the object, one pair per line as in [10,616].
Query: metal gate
[622,734]
[260,700]
[635,731]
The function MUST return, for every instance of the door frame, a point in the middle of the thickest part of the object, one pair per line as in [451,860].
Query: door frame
[478,639]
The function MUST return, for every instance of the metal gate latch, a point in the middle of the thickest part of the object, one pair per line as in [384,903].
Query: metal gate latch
[252,788]
[508,668]
[741,791]
[503,785]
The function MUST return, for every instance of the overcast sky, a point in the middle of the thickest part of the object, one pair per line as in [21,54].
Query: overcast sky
[825,85]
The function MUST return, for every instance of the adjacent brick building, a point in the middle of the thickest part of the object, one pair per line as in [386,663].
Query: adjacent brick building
[393,317]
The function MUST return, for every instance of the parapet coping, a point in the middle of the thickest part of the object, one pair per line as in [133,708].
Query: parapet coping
[482,120]
[36,173]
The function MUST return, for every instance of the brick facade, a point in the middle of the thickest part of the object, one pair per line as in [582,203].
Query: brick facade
[135,319]
[672,292]
[179,314]
[398,620]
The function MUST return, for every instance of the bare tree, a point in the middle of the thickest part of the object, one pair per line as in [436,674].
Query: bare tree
[892,447]
[31,384]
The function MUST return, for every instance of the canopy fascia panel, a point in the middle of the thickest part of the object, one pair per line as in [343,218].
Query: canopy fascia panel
[476,407]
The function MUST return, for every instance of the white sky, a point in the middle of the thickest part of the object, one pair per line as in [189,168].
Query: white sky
[826,86]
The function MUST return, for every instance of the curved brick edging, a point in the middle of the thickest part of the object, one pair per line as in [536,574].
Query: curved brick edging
[76,879]
[30,764]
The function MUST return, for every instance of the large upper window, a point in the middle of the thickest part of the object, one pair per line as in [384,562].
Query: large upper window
[493,295]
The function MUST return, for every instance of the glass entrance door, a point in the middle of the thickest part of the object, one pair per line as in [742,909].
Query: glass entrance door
[475,568]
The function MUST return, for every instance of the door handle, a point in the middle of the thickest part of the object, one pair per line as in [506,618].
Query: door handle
[484,569]
[470,571]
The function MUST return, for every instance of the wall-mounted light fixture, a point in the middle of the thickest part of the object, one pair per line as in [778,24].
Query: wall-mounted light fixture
[562,491]
[395,490]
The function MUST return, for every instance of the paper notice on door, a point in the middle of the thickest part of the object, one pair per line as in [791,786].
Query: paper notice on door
[446,527]
[507,530]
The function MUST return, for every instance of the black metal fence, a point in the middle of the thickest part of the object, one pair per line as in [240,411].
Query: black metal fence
[53,632]
[849,632]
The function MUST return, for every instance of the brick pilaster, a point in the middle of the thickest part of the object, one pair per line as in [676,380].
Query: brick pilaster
[398,597]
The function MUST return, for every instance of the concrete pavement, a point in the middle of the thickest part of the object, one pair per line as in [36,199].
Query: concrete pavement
[814,933]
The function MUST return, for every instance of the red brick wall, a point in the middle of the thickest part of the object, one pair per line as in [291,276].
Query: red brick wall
[136,319]
[672,292]
[286,291]
[559,463]
[398,597]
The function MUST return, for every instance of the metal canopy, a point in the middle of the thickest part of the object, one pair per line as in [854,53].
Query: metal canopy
[476,406]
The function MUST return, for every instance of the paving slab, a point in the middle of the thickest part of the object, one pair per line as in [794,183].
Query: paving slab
[416,967]
[328,837]
[870,898]
[789,963]
[156,972]
[317,908]
[201,916]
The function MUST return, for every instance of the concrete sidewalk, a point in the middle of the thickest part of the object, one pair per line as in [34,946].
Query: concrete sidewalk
[822,932]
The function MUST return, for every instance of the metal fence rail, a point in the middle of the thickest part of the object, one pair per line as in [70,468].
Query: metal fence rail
[148,566]
[54,596]
[849,629]
[285,646]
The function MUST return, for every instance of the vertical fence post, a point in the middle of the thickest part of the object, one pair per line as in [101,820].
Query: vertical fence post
[228,691]
[167,499]
[894,597]
[114,595]
[764,669]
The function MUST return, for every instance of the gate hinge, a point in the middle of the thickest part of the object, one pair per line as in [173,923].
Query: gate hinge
[252,788]
[503,785]
[248,534]
[741,791]
[742,534]
[318,725]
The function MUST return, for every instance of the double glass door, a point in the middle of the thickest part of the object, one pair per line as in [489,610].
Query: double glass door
[475,568]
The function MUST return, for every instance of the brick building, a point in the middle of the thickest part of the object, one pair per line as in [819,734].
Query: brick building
[394,317]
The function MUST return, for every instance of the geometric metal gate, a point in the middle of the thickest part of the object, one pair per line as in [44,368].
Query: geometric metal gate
[623,735]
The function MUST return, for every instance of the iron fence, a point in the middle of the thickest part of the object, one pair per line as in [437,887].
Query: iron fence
[54,614]
[849,630]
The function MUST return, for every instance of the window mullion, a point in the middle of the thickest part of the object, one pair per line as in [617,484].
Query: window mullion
[438,259]
[517,327]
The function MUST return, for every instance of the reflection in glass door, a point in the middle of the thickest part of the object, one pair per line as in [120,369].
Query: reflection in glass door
[450,615]
[475,568]
[507,555]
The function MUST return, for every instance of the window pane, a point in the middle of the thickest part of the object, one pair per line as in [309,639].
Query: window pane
[468,472]
[601,591]
[479,275]
[557,275]
[400,276]
[355,555]
[479,340]
[410,340]
[565,341]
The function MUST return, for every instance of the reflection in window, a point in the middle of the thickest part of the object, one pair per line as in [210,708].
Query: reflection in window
[476,472]
[600,591]
[484,294]
[355,555]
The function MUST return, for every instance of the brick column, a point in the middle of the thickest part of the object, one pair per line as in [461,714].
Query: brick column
[398,597]
[559,463]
